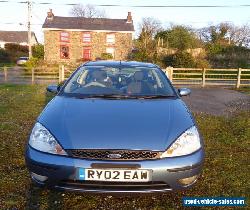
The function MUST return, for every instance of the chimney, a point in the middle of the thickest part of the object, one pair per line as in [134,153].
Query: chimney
[129,18]
[50,15]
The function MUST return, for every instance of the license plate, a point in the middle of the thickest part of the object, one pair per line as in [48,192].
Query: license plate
[114,175]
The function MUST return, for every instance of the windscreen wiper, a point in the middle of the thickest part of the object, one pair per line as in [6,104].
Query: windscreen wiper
[107,96]
[155,96]
[117,96]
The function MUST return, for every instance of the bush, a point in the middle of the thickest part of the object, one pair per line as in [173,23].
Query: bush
[184,59]
[106,56]
[15,51]
[202,63]
[11,47]
[229,56]
[4,56]
[180,59]
[38,51]
[32,63]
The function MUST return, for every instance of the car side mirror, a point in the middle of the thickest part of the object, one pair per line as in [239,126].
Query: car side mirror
[184,91]
[53,88]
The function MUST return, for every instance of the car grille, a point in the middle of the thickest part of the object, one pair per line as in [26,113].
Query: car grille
[111,186]
[114,154]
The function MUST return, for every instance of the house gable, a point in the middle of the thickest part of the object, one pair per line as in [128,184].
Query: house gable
[76,39]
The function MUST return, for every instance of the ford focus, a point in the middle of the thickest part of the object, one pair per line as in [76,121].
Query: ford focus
[116,127]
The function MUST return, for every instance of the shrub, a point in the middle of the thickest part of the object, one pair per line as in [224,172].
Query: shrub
[4,56]
[32,63]
[180,59]
[15,51]
[38,51]
[229,57]
[184,59]
[202,63]
[106,56]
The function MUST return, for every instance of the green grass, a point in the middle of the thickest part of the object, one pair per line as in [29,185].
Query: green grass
[245,90]
[226,170]
[7,64]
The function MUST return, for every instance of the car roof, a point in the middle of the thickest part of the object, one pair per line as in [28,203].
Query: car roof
[117,64]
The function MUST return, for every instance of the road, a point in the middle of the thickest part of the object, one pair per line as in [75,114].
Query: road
[217,101]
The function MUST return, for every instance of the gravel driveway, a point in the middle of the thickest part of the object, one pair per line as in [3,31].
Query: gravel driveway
[217,101]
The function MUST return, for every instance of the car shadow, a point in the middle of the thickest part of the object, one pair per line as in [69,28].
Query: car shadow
[43,198]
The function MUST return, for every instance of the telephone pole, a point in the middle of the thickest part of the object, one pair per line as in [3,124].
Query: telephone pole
[29,29]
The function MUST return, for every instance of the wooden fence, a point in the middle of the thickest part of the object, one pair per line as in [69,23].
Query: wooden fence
[35,75]
[178,76]
[209,77]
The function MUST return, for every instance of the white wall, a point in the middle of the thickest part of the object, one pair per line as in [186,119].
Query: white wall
[2,44]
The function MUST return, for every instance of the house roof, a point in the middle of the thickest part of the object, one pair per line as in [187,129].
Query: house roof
[88,23]
[15,36]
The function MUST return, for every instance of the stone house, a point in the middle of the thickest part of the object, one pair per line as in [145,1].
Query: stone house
[77,39]
[16,37]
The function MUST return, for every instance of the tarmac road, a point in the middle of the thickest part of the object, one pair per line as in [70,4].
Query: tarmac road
[217,101]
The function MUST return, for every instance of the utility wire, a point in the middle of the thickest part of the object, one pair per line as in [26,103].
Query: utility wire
[142,6]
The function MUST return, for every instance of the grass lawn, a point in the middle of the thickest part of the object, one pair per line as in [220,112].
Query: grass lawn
[7,64]
[226,170]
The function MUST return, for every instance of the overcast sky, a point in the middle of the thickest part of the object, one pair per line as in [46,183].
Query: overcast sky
[14,15]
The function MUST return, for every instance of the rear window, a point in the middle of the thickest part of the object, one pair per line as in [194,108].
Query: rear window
[23,58]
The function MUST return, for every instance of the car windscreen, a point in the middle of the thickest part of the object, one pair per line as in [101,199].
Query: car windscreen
[121,82]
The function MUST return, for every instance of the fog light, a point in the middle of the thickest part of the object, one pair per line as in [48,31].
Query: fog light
[189,180]
[39,177]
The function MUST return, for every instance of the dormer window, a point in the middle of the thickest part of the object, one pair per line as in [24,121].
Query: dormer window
[86,37]
[110,39]
[64,36]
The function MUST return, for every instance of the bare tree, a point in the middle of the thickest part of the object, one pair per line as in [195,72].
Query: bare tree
[240,35]
[145,44]
[88,11]
[226,33]
[150,26]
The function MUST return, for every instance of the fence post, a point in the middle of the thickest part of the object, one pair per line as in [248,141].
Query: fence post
[238,78]
[32,76]
[62,74]
[59,76]
[166,72]
[169,72]
[5,74]
[203,77]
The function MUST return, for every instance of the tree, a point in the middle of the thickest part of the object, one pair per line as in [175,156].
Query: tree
[87,11]
[215,34]
[178,37]
[145,44]
[149,27]
[15,51]
[240,35]
[226,34]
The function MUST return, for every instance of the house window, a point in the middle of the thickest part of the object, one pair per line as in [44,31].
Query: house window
[110,38]
[64,36]
[111,50]
[64,52]
[86,54]
[86,37]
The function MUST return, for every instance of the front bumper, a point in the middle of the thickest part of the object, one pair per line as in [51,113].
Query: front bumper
[61,172]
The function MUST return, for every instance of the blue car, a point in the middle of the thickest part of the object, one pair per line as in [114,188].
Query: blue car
[116,127]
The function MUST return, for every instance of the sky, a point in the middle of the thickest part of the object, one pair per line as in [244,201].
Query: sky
[13,15]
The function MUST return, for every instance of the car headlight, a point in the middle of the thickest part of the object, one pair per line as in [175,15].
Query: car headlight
[42,140]
[186,144]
